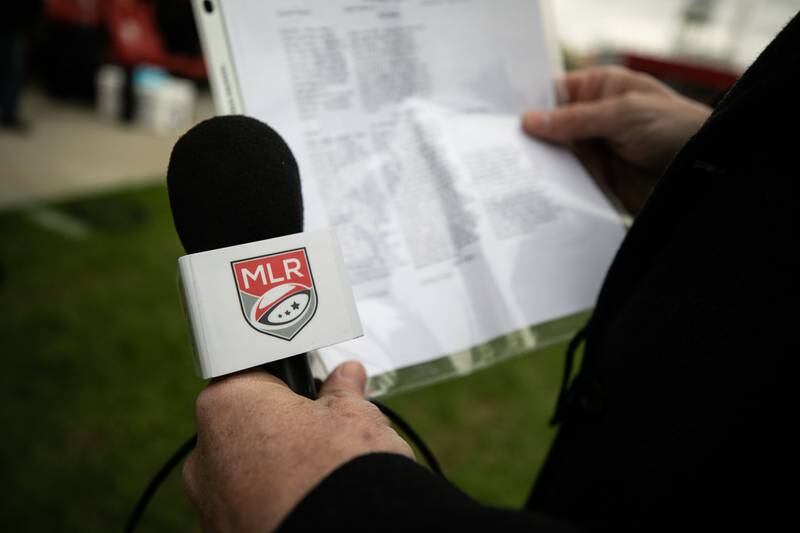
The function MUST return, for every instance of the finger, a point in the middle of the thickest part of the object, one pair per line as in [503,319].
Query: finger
[574,122]
[348,379]
[253,375]
[607,81]
[583,85]
[594,83]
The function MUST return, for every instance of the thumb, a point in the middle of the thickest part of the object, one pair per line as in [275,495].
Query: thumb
[347,379]
[574,122]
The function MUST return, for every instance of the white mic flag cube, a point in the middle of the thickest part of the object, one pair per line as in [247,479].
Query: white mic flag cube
[262,301]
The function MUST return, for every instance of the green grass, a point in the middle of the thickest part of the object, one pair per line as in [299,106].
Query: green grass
[98,385]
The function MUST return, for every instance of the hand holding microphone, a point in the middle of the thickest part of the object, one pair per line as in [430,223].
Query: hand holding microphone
[260,446]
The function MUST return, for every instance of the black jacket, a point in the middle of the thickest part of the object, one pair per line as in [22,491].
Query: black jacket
[682,413]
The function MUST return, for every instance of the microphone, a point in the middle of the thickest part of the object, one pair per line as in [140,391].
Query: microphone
[233,180]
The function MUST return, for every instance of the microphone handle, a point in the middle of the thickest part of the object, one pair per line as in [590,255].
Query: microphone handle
[295,372]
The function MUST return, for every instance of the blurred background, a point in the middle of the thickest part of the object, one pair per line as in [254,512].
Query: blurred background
[98,384]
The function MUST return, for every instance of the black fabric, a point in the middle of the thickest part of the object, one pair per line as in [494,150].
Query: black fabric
[388,492]
[681,415]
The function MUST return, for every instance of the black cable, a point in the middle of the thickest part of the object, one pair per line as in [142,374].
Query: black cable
[159,478]
[569,361]
[187,447]
[412,435]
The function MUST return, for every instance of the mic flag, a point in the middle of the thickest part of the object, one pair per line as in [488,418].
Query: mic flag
[258,302]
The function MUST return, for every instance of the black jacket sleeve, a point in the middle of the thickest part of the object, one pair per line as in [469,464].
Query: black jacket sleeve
[389,492]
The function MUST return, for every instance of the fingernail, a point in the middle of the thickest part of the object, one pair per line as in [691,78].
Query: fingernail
[537,121]
[350,370]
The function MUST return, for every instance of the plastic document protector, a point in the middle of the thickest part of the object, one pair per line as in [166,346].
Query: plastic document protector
[465,241]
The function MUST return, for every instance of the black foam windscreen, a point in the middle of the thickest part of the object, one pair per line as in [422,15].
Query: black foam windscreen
[233,180]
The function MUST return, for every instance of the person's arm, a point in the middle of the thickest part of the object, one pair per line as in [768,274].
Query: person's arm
[266,457]
[389,492]
[625,126]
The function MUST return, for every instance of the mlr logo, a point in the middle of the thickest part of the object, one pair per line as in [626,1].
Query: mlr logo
[277,292]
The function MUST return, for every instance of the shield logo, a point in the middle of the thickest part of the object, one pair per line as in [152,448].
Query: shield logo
[277,292]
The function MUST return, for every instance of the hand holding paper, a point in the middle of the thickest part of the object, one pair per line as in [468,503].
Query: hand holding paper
[640,123]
